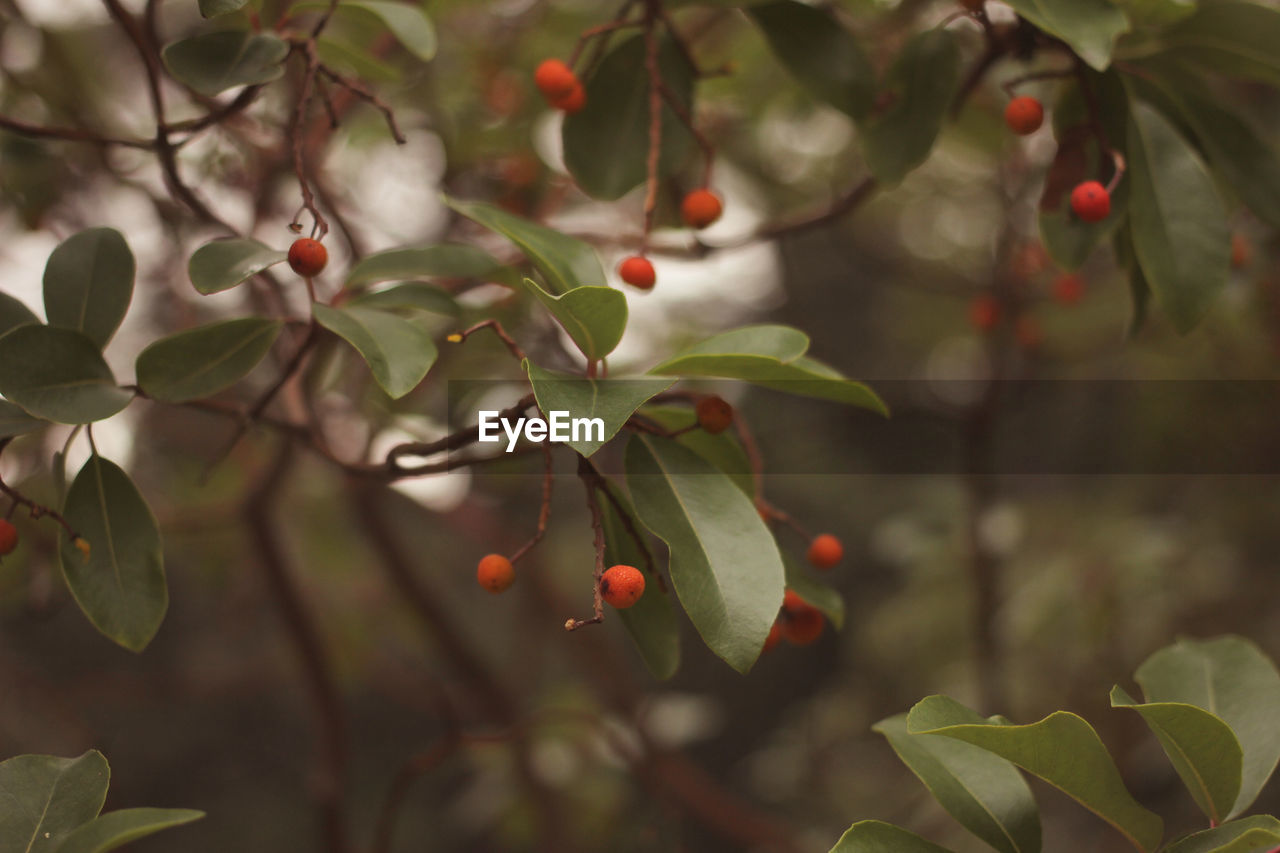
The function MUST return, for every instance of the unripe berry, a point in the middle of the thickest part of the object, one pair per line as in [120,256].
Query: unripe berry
[1091,202]
[555,79]
[575,100]
[825,551]
[1068,289]
[308,257]
[8,537]
[801,622]
[700,208]
[495,573]
[1024,115]
[622,586]
[638,272]
[715,415]
[984,312]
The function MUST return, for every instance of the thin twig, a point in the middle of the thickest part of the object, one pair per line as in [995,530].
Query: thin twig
[544,513]
[588,476]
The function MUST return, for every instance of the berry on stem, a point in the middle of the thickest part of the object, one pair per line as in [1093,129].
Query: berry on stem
[308,257]
[775,637]
[801,622]
[700,208]
[825,551]
[8,537]
[622,586]
[575,100]
[555,79]
[1024,115]
[715,415]
[1091,202]
[984,312]
[495,573]
[1068,289]
[638,272]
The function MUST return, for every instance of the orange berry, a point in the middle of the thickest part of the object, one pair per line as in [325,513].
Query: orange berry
[622,586]
[801,622]
[8,537]
[825,551]
[1068,289]
[1240,252]
[700,208]
[495,573]
[715,415]
[984,312]
[1024,115]
[308,257]
[572,102]
[638,272]
[1091,202]
[775,637]
[555,79]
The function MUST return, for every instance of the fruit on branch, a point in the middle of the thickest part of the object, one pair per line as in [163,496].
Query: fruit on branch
[775,637]
[1024,115]
[637,272]
[984,312]
[555,80]
[1091,202]
[8,537]
[715,415]
[572,102]
[700,208]
[825,551]
[801,622]
[1068,289]
[308,257]
[495,573]
[622,586]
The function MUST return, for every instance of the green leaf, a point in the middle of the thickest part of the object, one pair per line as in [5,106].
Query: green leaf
[1061,749]
[211,63]
[1200,746]
[88,283]
[594,317]
[120,584]
[201,362]
[46,798]
[446,260]
[725,565]
[820,53]
[873,836]
[1232,679]
[565,262]
[982,791]
[1157,13]
[651,621]
[919,86]
[115,829]
[827,599]
[723,451]
[407,22]
[14,421]
[616,120]
[1090,27]
[411,294]
[13,313]
[1247,835]
[1178,220]
[59,375]
[213,8]
[1233,37]
[398,352]
[354,60]
[613,401]
[223,264]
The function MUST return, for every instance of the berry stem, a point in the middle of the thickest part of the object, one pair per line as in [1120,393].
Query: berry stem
[619,22]
[496,327]
[36,510]
[544,514]
[682,112]
[587,474]
[652,9]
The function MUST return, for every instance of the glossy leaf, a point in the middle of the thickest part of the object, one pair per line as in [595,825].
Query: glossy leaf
[45,798]
[1157,13]
[725,566]
[873,836]
[613,401]
[1061,749]
[1090,27]
[204,361]
[982,791]
[1200,746]
[1234,37]
[651,621]
[411,294]
[14,421]
[116,829]
[594,317]
[820,53]
[406,21]
[223,264]
[88,283]
[827,599]
[59,375]
[213,8]
[120,584]
[918,89]
[1248,835]
[616,120]
[1231,678]
[565,262]
[1178,220]
[398,352]
[446,260]
[211,63]
[724,451]
[14,313]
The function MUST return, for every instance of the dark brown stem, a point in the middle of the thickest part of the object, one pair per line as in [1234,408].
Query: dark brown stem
[544,513]
[654,72]
[36,510]
[589,480]
[496,327]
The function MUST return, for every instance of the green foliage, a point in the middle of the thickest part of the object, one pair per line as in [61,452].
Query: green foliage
[1090,27]
[1247,835]
[211,63]
[407,22]
[873,836]
[13,313]
[201,362]
[593,317]
[116,829]
[59,375]
[613,400]
[447,260]
[397,350]
[223,264]
[88,283]
[14,421]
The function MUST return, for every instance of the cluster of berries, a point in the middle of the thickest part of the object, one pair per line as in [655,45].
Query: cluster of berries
[1090,200]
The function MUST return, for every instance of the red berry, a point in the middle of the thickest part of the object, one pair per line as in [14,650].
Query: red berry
[495,573]
[622,586]
[1091,202]
[984,312]
[8,537]
[825,551]
[1024,115]
[801,622]
[1240,252]
[575,100]
[638,272]
[700,208]
[775,637]
[555,79]
[715,415]
[1068,289]
[308,257]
